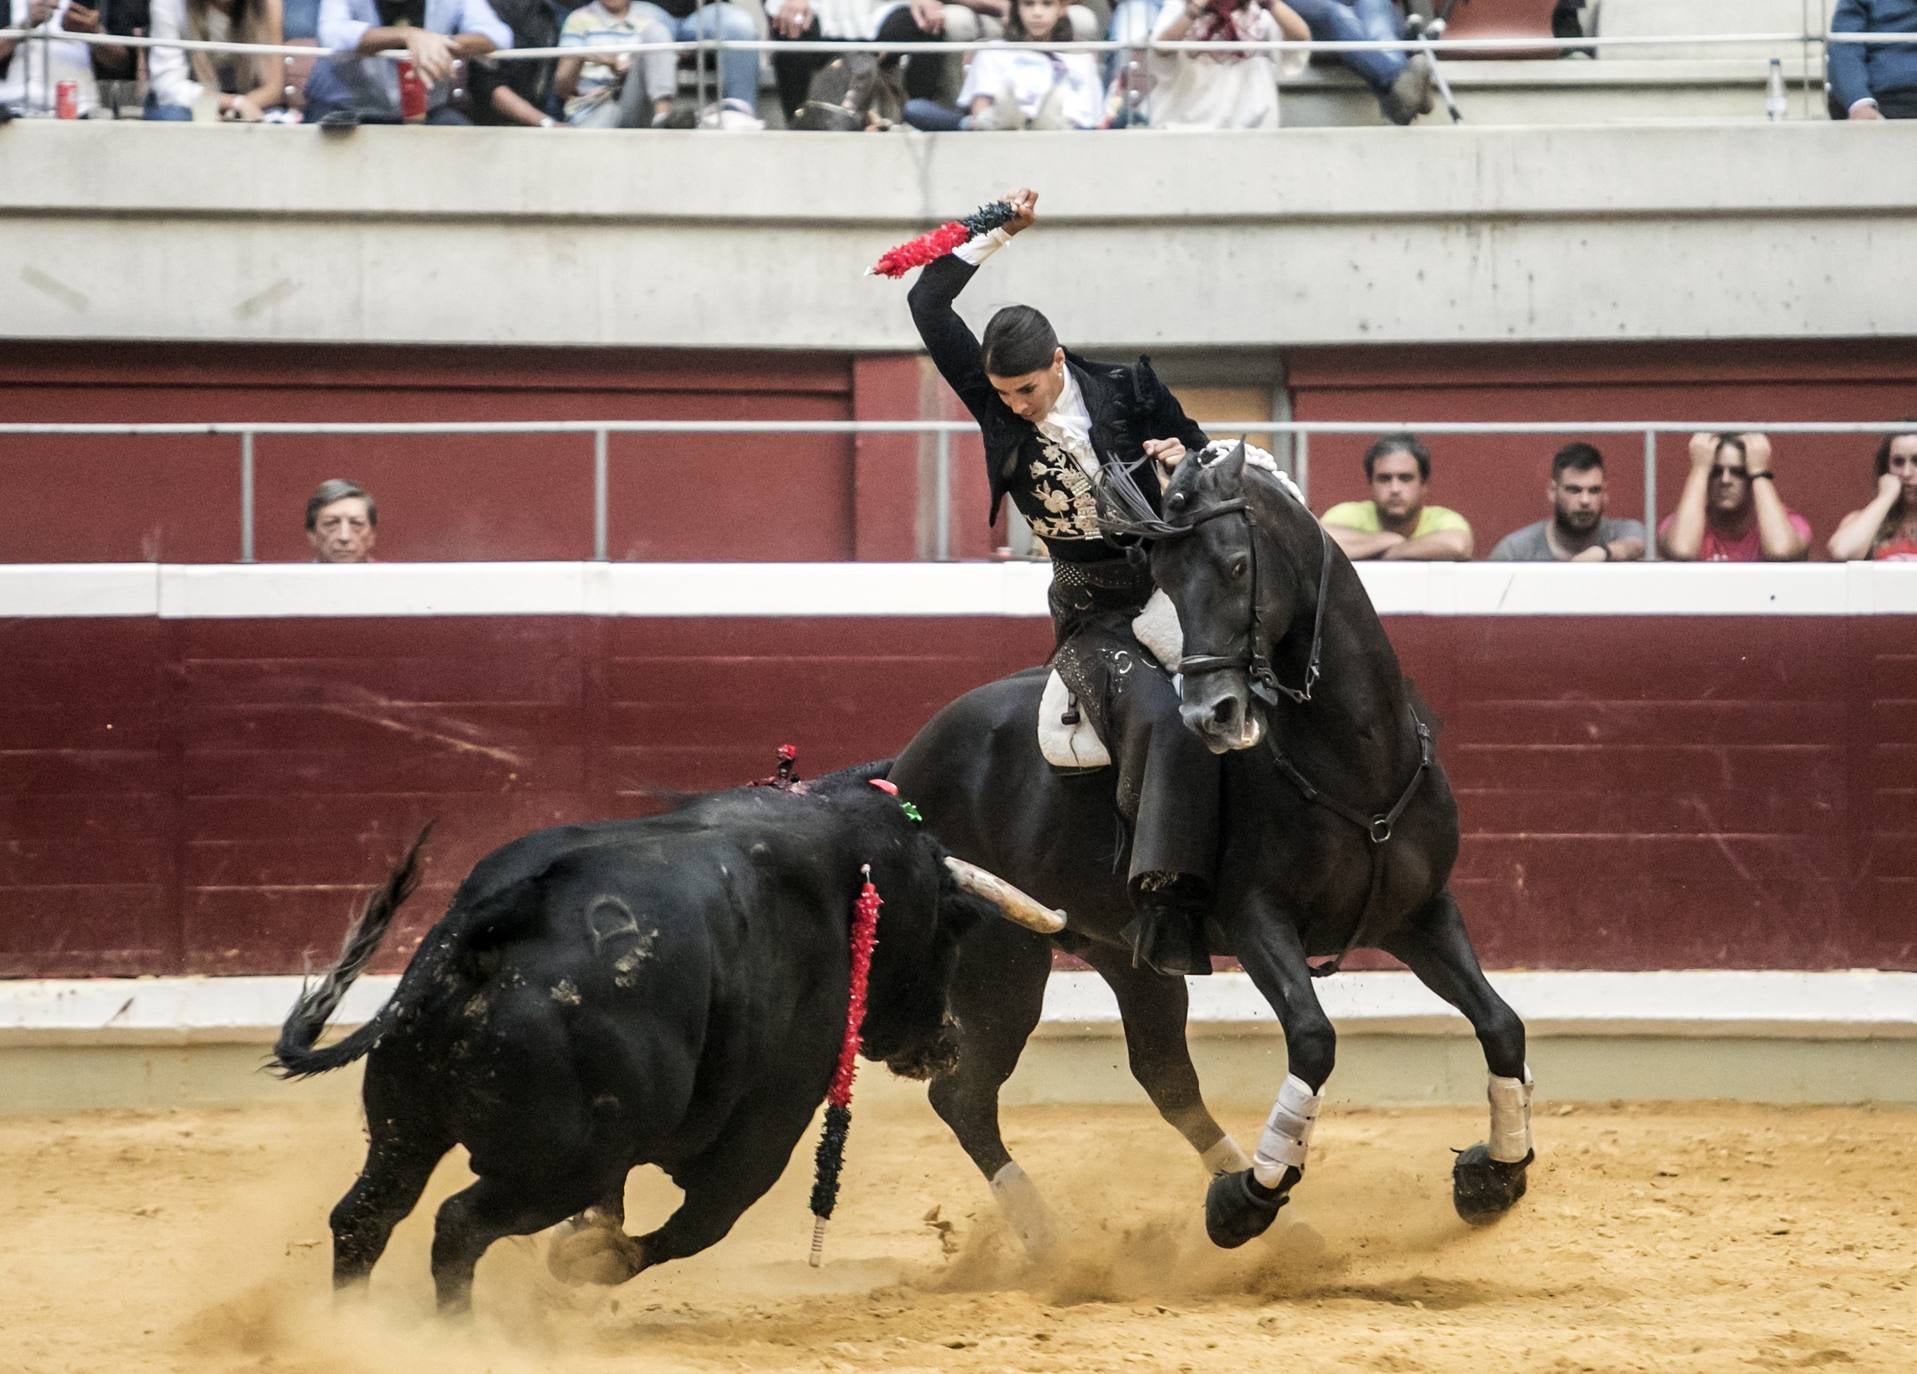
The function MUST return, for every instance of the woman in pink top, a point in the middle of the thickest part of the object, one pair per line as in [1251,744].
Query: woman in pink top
[1886,529]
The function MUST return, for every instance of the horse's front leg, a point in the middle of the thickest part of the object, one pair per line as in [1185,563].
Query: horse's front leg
[1489,1177]
[1243,1204]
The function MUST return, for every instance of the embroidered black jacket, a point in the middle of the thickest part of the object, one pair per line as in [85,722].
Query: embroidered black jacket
[1127,405]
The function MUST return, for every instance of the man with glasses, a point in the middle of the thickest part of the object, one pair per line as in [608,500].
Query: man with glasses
[1396,522]
[1730,511]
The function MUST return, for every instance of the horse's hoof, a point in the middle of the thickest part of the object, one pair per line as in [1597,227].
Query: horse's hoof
[600,1254]
[1484,1189]
[1239,1208]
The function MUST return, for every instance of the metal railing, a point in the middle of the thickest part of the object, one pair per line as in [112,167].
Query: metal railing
[1804,39]
[1296,458]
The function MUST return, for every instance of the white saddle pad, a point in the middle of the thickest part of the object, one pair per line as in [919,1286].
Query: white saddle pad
[1077,745]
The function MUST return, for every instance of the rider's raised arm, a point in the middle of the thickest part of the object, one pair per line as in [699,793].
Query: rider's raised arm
[953,347]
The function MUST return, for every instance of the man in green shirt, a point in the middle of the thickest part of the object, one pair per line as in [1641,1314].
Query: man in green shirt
[1396,522]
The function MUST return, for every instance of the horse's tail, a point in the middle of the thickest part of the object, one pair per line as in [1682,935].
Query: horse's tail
[293,1054]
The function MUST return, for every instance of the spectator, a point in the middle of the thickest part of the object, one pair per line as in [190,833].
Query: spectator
[112,62]
[31,69]
[1402,84]
[628,91]
[1396,522]
[687,20]
[1577,531]
[1886,529]
[233,85]
[961,21]
[1231,90]
[342,522]
[520,93]
[805,21]
[434,34]
[1730,511]
[1022,83]
[1873,80]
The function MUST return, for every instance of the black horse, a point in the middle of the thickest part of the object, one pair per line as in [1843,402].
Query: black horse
[1340,832]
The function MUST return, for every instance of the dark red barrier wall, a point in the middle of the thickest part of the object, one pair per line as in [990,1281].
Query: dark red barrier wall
[212,796]
[1498,480]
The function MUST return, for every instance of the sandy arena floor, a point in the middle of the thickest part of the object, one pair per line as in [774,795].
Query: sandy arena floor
[1688,1238]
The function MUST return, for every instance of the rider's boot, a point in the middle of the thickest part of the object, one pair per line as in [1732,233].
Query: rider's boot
[1167,929]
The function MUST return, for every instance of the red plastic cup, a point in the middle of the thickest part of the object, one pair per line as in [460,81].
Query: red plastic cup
[66,100]
[412,94]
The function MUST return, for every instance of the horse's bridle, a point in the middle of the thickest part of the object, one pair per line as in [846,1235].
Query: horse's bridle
[1259,674]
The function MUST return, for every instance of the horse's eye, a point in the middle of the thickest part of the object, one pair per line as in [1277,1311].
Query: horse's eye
[1238,566]
[1177,501]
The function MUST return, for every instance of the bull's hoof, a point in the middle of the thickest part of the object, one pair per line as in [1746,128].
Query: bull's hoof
[601,1254]
[1482,1188]
[1239,1208]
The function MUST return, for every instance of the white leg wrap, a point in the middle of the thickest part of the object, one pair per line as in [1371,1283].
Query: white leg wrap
[1018,1199]
[1287,1133]
[1224,1158]
[1510,1117]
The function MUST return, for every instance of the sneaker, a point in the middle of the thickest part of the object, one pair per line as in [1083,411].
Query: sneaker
[1410,95]
[678,117]
[730,113]
[1051,111]
[1001,116]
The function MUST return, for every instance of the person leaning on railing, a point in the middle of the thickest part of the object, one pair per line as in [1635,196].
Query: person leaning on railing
[1729,510]
[32,69]
[240,86]
[434,35]
[1873,80]
[1886,529]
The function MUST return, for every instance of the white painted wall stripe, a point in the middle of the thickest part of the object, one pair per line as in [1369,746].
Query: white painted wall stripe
[1694,1004]
[690,590]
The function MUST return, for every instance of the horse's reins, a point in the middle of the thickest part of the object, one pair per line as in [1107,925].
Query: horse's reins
[1264,684]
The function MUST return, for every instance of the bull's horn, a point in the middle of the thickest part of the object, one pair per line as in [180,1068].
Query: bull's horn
[1015,905]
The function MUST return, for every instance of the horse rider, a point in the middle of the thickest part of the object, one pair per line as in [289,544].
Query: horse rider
[1051,420]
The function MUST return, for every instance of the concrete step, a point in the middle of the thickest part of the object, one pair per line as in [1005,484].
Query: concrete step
[1570,91]
[1689,19]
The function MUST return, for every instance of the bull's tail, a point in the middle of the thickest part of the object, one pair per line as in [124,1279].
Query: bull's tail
[293,1054]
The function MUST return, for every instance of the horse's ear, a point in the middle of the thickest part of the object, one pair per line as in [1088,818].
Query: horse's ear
[1231,468]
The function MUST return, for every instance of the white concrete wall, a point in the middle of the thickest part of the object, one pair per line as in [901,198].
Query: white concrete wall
[1430,234]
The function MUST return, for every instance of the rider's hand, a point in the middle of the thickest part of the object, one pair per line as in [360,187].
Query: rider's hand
[1168,452]
[1024,203]
[1757,453]
[432,55]
[1703,451]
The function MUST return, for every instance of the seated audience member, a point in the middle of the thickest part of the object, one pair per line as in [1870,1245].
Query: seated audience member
[113,62]
[1232,90]
[687,20]
[434,34]
[820,21]
[520,93]
[1022,84]
[31,70]
[233,85]
[1729,511]
[1886,529]
[1401,83]
[961,21]
[342,523]
[1577,531]
[627,91]
[1396,522]
[1873,80]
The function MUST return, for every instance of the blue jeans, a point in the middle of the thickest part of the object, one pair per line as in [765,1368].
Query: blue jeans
[177,114]
[933,116]
[738,71]
[1336,21]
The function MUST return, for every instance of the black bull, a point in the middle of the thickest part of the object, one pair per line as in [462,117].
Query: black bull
[666,991]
